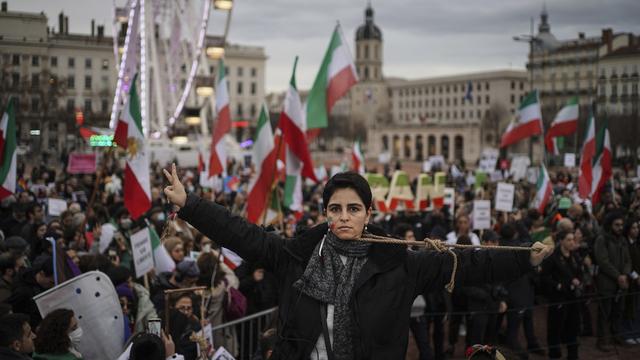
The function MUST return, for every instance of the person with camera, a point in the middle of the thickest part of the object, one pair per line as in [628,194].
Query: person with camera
[560,277]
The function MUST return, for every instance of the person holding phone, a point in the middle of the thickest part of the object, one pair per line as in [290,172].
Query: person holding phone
[338,298]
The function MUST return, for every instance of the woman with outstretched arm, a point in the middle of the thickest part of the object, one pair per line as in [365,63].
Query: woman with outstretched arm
[342,299]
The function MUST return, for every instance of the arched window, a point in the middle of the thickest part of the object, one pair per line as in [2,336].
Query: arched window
[407,147]
[375,52]
[458,148]
[396,146]
[419,146]
[444,147]
[366,73]
[385,143]
[431,145]
[366,52]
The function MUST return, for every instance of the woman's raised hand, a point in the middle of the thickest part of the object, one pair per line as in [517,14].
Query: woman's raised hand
[175,190]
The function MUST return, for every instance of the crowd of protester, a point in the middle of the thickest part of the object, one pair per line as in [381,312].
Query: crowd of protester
[594,270]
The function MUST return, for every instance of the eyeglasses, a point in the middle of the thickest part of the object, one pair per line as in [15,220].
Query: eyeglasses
[185,308]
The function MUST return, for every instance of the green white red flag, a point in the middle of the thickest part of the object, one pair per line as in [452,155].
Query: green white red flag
[218,156]
[564,124]
[544,190]
[264,158]
[586,160]
[357,158]
[528,121]
[161,258]
[8,144]
[379,189]
[298,158]
[601,172]
[129,135]
[400,192]
[337,74]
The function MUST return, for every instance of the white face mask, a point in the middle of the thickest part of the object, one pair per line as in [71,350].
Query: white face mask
[75,336]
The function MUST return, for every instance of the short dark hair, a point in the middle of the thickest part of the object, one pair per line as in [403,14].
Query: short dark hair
[402,228]
[12,328]
[147,346]
[560,235]
[53,333]
[7,262]
[347,180]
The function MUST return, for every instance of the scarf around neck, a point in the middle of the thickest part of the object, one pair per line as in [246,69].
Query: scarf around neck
[328,280]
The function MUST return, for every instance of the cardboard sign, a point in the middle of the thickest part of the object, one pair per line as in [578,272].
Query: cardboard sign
[481,214]
[95,304]
[504,197]
[56,206]
[519,165]
[81,163]
[142,252]
[569,160]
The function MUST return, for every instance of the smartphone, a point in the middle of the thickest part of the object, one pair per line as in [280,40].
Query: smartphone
[154,327]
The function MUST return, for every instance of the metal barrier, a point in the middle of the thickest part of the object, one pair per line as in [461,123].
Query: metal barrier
[247,331]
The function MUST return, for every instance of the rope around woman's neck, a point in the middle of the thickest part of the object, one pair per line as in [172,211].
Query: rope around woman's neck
[441,246]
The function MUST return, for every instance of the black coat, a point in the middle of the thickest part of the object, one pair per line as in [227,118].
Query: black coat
[21,299]
[383,294]
[557,274]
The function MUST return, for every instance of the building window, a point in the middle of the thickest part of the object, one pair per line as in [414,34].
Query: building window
[513,99]
[240,71]
[87,105]
[35,60]
[486,99]
[385,143]
[444,147]
[521,85]
[479,112]
[87,63]
[105,64]
[226,71]
[513,85]
[253,88]
[87,82]
[366,73]
[458,148]
[15,80]
[104,105]
[239,88]
[366,51]
[431,145]
[239,111]
[35,81]
[71,62]
[71,82]
[54,61]
[479,100]
[254,72]
[447,102]
[375,52]
[252,110]
[396,146]
[71,104]
[486,86]
[15,60]
[35,105]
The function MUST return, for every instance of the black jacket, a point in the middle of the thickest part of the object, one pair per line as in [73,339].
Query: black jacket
[9,354]
[557,274]
[21,299]
[383,294]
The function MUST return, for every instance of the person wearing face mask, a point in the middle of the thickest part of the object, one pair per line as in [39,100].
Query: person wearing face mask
[58,337]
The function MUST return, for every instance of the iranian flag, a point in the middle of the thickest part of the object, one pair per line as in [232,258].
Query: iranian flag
[129,135]
[602,165]
[8,145]
[336,76]
[544,190]
[400,192]
[357,158]
[565,123]
[379,190]
[298,159]
[161,258]
[218,157]
[528,121]
[231,259]
[264,157]
[586,160]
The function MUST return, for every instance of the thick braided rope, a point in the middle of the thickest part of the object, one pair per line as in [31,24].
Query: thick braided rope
[441,246]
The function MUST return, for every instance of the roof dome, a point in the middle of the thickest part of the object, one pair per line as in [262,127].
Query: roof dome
[368,31]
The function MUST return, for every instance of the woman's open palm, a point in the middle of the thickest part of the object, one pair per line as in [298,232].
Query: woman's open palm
[175,190]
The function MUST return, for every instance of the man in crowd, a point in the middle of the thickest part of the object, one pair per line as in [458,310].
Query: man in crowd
[16,337]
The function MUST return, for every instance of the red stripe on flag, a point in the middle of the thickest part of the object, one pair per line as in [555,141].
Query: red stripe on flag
[135,199]
[258,197]
[297,142]
[586,168]
[339,85]
[520,132]
[120,136]
[222,127]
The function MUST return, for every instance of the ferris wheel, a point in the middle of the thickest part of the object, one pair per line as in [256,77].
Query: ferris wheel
[166,42]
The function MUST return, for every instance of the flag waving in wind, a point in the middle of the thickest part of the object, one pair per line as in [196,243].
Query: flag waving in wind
[528,122]
[218,157]
[586,159]
[565,123]
[544,190]
[129,135]
[357,158]
[601,172]
[336,76]
[8,151]
[298,159]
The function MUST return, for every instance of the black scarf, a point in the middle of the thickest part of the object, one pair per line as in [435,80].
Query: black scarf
[330,281]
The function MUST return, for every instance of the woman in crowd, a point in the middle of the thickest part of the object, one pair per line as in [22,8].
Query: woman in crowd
[561,277]
[58,337]
[341,298]
[174,246]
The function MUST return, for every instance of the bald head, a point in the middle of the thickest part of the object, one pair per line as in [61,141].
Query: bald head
[564,224]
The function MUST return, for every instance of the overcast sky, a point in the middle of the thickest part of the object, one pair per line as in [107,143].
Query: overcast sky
[422,38]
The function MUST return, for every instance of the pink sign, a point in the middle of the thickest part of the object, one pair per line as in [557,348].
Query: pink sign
[81,163]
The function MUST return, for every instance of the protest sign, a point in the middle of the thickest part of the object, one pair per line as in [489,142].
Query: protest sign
[496,176]
[142,252]
[569,160]
[56,206]
[426,166]
[481,214]
[424,191]
[504,197]
[379,189]
[532,174]
[519,165]
[437,196]
[400,194]
[81,163]
[488,160]
[384,158]
[95,304]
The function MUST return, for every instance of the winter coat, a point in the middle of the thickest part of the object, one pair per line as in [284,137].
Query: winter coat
[9,354]
[557,275]
[145,310]
[66,356]
[214,310]
[612,255]
[383,293]
[21,299]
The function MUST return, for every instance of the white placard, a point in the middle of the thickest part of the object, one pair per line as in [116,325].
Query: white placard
[142,252]
[481,214]
[504,197]
[532,174]
[222,354]
[519,165]
[208,336]
[384,158]
[496,175]
[56,206]
[569,160]
[426,166]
